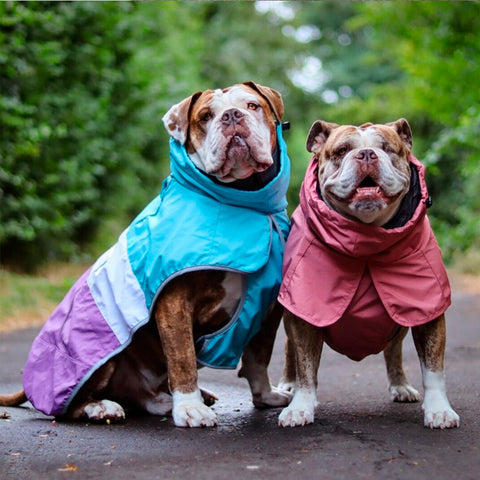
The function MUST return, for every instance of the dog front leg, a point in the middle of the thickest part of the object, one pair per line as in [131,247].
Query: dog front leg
[255,360]
[287,382]
[175,327]
[400,389]
[430,342]
[307,341]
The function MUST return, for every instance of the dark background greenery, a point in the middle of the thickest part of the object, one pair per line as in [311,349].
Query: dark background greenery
[83,87]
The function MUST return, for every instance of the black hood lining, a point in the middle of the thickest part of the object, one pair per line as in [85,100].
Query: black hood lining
[409,202]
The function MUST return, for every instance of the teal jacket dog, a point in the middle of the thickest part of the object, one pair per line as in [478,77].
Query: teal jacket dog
[195,223]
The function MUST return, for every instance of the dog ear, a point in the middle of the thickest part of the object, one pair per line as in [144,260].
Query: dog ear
[402,127]
[319,132]
[177,119]
[273,98]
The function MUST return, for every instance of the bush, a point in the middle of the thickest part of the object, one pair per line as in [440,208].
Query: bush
[67,144]
[453,167]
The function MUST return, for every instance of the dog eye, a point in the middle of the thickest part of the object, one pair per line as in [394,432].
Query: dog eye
[341,151]
[252,106]
[388,148]
[206,117]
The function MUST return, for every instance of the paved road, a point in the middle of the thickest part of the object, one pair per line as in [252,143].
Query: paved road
[358,433]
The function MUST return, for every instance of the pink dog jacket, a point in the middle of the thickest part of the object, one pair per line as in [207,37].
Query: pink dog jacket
[359,281]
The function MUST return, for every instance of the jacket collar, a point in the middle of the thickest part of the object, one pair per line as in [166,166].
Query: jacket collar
[350,237]
[269,199]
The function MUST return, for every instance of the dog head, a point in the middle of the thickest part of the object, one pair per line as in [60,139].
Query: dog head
[228,133]
[364,171]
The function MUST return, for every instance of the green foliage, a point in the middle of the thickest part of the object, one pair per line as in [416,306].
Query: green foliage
[421,61]
[84,85]
[436,47]
[61,76]
[453,164]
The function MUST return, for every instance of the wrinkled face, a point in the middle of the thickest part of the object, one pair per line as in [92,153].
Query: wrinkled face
[364,171]
[228,133]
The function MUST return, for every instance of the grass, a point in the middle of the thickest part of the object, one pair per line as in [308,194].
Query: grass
[28,300]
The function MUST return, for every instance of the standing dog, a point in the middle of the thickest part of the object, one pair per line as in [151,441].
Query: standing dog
[362,264]
[192,281]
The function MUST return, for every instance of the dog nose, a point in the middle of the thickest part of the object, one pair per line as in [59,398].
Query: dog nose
[232,116]
[366,156]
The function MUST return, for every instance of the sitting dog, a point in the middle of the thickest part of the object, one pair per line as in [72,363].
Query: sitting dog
[362,265]
[192,281]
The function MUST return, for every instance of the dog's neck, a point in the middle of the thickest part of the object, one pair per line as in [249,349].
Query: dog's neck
[256,181]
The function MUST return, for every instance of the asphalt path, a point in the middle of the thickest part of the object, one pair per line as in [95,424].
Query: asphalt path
[358,433]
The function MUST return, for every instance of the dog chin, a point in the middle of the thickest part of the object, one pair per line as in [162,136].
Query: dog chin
[373,212]
[237,149]
[239,167]
[369,208]
[231,178]
[240,173]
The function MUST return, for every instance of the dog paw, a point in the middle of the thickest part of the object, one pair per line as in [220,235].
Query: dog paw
[441,419]
[209,398]
[438,412]
[404,393]
[291,417]
[275,397]
[190,411]
[286,386]
[104,410]
[301,410]
[162,404]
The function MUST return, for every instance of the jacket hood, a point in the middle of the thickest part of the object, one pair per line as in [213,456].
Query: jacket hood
[269,199]
[351,237]
[335,268]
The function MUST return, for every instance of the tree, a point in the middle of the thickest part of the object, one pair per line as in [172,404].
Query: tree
[60,76]
[436,46]
[83,88]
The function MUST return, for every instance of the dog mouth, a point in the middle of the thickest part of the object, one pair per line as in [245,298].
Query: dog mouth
[368,189]
[237,149]
[239,161]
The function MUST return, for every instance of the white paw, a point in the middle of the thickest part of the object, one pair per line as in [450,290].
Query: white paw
[190,411]
[104,410]
[160,405]
[438,413]
[437,410]
[295,418]
[275,397]
[404,393]
[301,410]
[285,386]
[209,398]
[444,419]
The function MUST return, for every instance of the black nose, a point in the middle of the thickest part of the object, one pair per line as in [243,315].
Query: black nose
[366,156]
[232,116]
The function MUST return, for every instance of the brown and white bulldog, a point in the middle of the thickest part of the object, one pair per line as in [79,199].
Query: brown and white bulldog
[230,135]
[362,265]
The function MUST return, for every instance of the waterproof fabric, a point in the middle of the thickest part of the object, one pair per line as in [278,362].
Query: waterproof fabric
[193,224]
[359,281]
